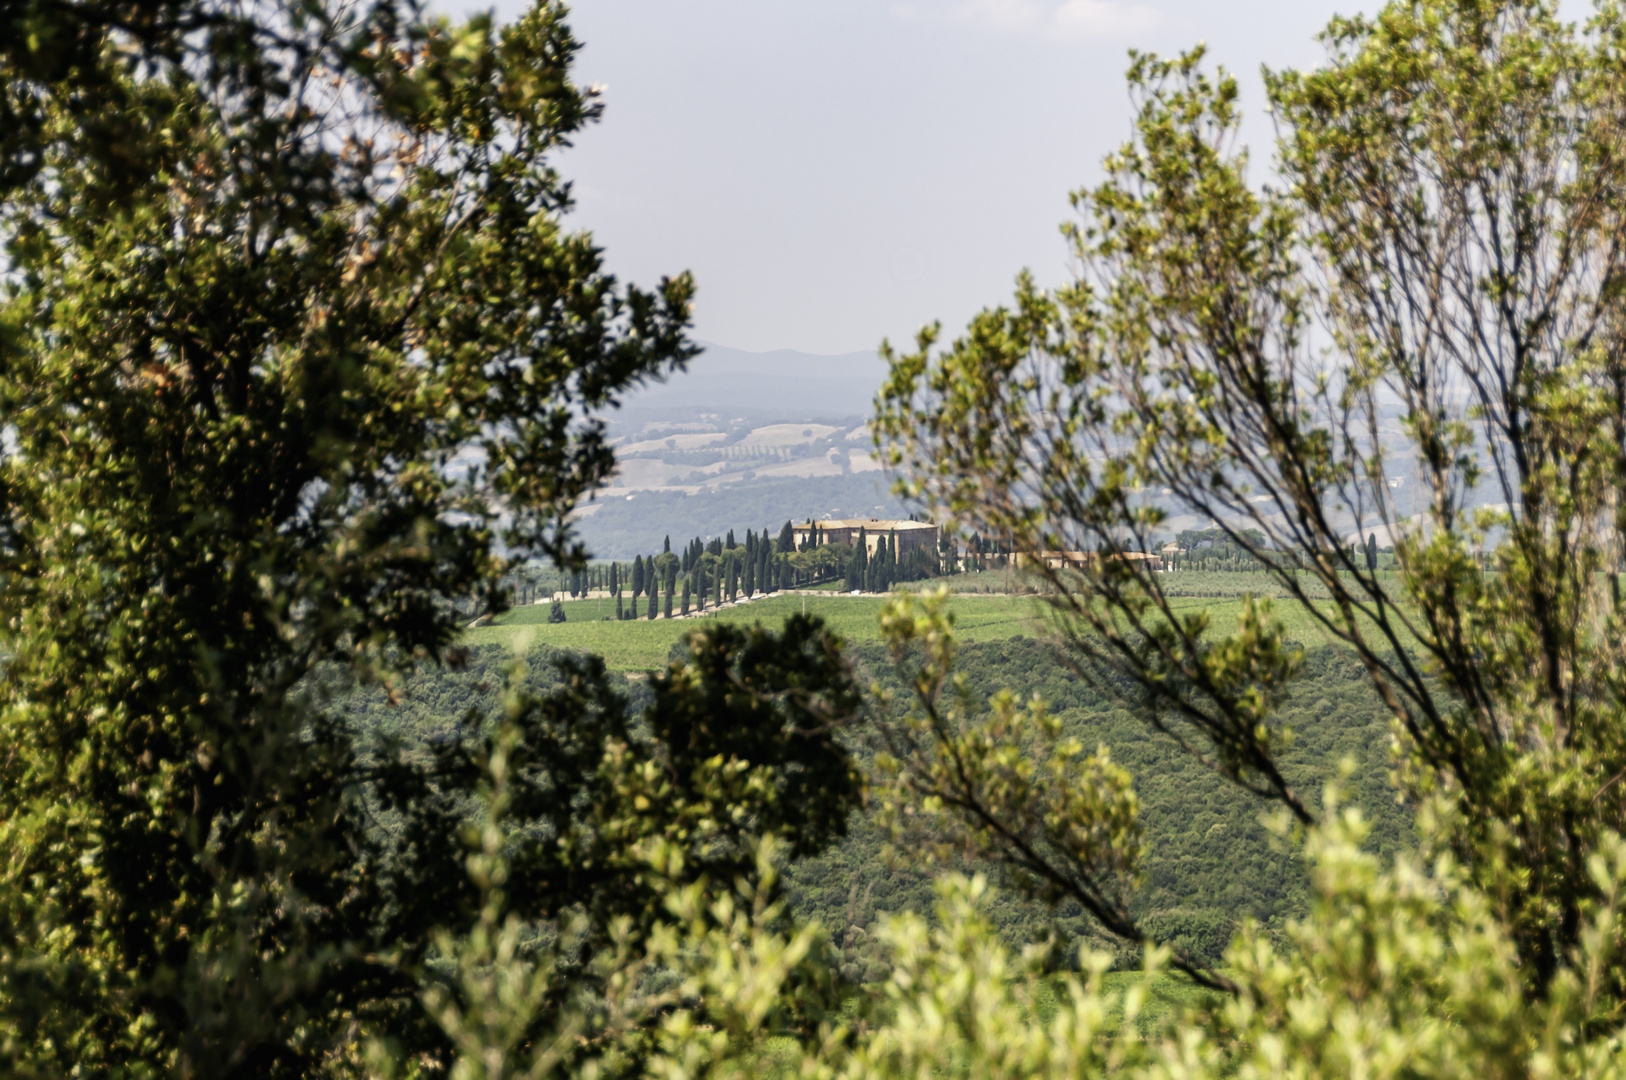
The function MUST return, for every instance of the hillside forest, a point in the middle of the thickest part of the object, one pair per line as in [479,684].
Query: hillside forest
[1211,861]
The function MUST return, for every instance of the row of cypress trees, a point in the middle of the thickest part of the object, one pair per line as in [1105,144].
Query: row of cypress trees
[708,572]
[703,573]
[886,568]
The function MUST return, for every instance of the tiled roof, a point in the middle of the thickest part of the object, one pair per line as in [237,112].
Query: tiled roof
[883,524]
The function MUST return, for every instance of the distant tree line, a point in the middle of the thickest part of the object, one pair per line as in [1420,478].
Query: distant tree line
[701,574]
[706,572]
[1203,550]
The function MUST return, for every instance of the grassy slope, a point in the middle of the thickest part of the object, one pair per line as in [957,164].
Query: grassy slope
[641,645]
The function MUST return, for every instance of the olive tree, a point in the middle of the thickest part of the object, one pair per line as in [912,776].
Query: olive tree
[1428,288]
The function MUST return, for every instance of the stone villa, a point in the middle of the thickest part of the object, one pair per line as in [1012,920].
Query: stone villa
[911,534]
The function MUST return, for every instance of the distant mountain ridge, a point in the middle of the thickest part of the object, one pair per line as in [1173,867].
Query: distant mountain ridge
[787,384]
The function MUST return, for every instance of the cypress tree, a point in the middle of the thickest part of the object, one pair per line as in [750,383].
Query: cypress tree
[637,575]
[652,602]
[749,582]
[666,548]
[700,586]
[615,578]
[865,581]
[619,615]
[685,596]
[1372,551]
[667,613]
[787,539]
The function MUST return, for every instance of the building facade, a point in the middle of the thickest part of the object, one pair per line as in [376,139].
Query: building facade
[911,535]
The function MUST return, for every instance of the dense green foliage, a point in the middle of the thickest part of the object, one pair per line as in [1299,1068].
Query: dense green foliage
[1210,860]
[275,277]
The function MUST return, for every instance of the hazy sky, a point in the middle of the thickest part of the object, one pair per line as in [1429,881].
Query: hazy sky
[840,171]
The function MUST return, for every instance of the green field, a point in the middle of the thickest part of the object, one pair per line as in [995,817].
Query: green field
[640,645]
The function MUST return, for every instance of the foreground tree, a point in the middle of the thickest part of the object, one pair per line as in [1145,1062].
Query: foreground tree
[292,342]
[1446,236]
